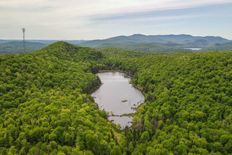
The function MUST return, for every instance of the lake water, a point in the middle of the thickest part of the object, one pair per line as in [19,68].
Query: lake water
[117,97]
[194,49]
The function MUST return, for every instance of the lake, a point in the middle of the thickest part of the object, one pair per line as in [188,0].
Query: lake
[193,49]
[117,96]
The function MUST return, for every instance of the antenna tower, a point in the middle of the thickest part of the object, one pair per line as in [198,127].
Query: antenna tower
[24,44]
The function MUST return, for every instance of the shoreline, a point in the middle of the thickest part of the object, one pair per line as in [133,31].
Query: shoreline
[126,75]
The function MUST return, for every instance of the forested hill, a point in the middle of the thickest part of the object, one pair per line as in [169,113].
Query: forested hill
[188,108]
[159,43]
[45,106]
[66,51]
[138,42]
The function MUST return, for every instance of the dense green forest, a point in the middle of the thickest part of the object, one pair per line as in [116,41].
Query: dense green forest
[188,102]
[46,108]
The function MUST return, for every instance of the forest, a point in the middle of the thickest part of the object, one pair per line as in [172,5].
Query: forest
[46,107]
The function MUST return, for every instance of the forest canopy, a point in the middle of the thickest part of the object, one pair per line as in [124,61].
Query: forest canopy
[46,108]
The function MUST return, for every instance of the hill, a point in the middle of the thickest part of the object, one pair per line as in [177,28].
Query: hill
[46,107]
[218,47]
[188,106]
[138,42]
[156,42]
[17,46]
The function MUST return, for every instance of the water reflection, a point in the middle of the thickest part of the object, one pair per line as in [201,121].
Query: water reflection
[117,96]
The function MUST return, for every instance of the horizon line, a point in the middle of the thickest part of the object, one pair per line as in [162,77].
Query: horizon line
[51,39]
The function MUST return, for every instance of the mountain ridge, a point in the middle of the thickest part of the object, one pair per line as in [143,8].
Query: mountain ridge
[154,43]
[138,42]
[141,38]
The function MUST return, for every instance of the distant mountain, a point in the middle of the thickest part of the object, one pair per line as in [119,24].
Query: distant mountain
[157,42]
[226,47]
[139,42]
[53,41]
[3,41]
[17,46]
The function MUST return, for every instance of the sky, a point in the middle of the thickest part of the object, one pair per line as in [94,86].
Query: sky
[98,19]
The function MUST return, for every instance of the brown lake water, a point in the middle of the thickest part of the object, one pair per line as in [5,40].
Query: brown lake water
[117,96]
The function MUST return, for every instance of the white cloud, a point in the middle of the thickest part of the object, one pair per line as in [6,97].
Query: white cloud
[94,7]
[65,16]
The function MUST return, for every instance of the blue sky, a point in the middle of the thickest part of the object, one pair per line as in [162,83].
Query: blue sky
[97,19]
